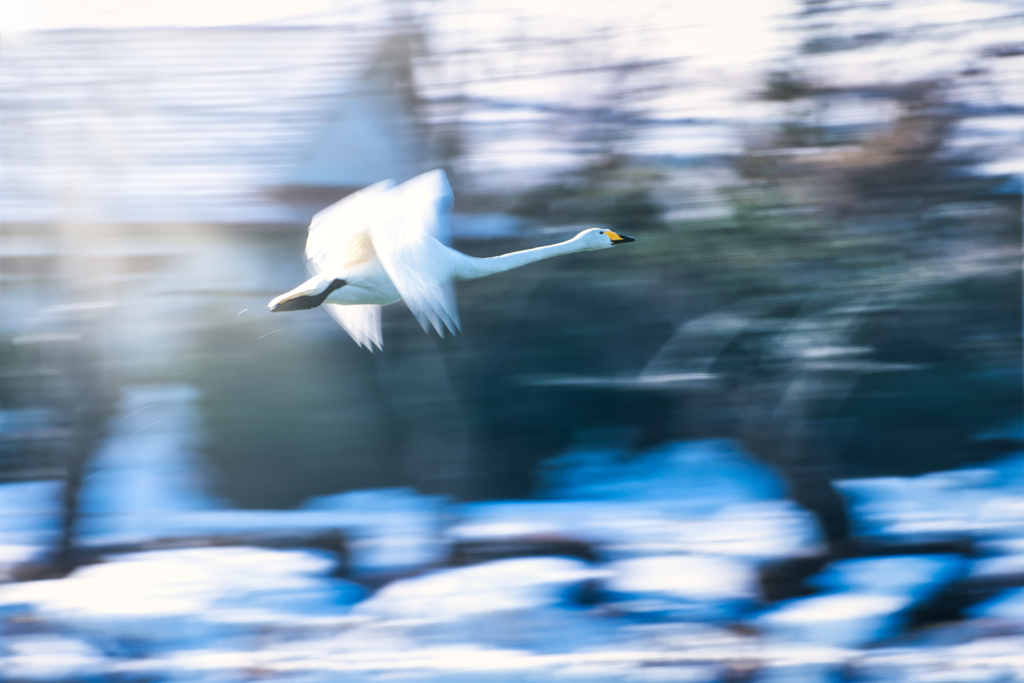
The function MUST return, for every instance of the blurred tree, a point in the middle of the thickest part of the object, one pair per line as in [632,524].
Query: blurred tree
[873,261]
[83,398]
[61,397]
[614,193]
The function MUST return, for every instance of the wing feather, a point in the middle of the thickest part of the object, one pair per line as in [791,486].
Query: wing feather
[362,322]
[413,248]
[339,235]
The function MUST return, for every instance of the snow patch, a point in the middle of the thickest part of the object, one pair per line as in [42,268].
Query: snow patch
[389,529]
[700,477]
[181,598]
[851,619]
[30,512]
[50,658]
[683,586]
[1007,605]
[980,502]
[758,530]
[491,587]
[916,576]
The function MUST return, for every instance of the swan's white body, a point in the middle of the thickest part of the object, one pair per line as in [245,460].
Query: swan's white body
[386,243]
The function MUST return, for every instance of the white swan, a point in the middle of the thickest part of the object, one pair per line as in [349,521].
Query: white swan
[386,243]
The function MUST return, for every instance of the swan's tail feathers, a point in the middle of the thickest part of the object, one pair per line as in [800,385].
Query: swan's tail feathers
[362,323]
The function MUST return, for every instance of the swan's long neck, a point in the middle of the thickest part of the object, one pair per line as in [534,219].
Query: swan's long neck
[471,268]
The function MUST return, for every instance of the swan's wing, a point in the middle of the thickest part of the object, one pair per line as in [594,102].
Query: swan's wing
[429,198]
[338,237]
[412,248]
[362,323]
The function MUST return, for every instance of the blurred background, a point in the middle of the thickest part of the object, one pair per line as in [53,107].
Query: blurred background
[788,416]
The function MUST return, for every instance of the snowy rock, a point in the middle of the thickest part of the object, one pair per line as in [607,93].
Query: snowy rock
[51,658]
[1002,546]
[30,512]
[492,587]
[702,497]
[1005,568]
[14,558]
[851,619]
[757,530]
[760,530]
[1007,605]
[990,575]
[799,672]
[386,530]
[699,478]
[182,598]
[940,505]
[967,657]
[390,529]
[1002,514]
[692,587]
[915,576]
[867,599]
[979,502]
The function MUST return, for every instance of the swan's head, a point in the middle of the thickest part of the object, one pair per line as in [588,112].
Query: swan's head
[600,238]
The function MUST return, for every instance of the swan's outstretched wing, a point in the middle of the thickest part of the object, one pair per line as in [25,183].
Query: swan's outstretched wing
[338,236]
[362,322]
[412,247]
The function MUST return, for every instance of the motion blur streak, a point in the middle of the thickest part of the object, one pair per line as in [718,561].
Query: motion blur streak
[776,438]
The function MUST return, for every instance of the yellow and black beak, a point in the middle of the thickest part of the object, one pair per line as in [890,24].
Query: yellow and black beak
[619,239]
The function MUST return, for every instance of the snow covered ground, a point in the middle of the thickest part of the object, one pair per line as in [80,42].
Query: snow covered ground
[644,569]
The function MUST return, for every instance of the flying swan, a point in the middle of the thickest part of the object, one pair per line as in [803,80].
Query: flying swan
[387,243]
